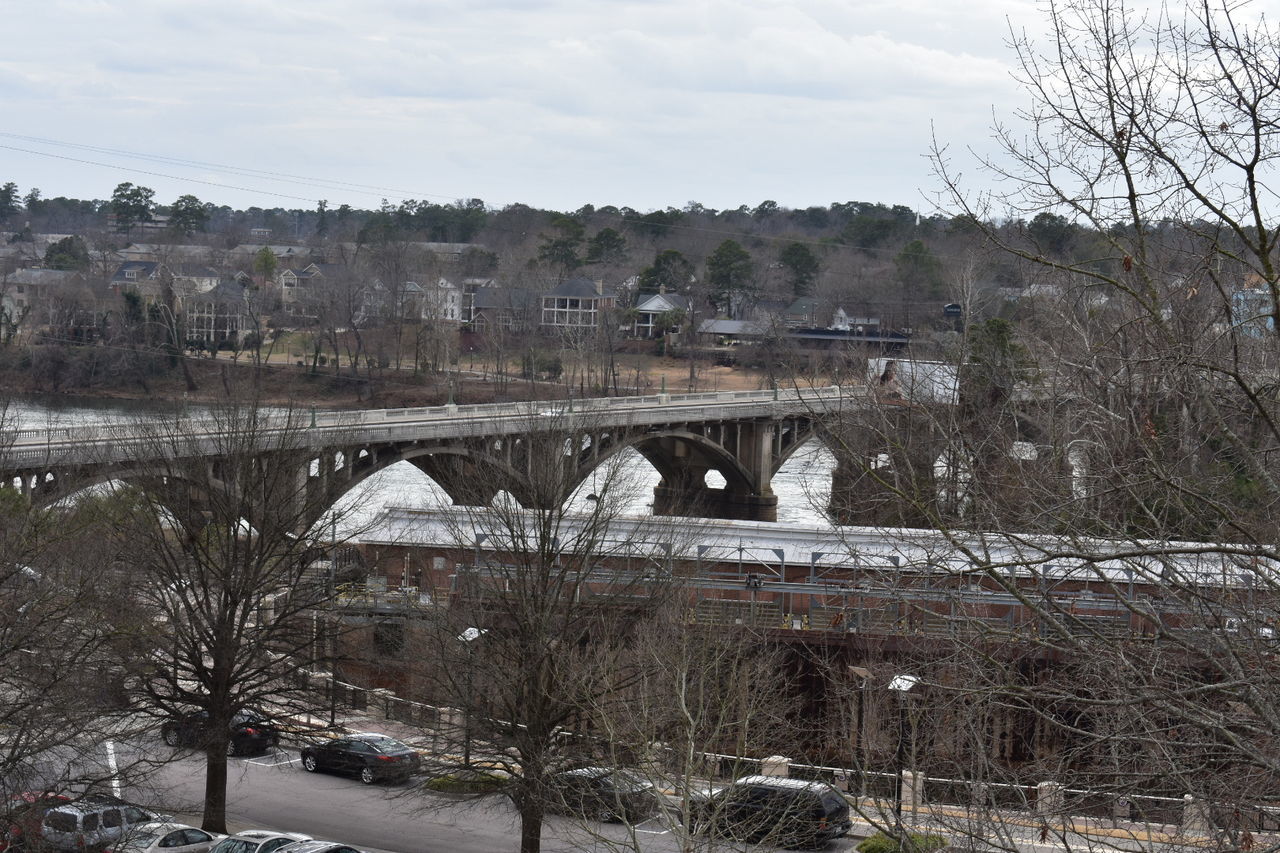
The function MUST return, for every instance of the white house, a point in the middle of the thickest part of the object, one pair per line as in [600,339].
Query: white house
[650,308]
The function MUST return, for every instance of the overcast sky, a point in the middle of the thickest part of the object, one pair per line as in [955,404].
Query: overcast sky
[554,103]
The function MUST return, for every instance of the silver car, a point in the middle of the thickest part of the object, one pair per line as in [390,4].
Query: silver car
[165,837]
[258,841]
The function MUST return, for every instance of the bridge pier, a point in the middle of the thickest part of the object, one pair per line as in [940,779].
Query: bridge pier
[707,502]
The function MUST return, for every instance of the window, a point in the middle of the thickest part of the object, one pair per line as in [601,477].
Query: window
[90,822]
[111,818]
[133,814]
[60,821]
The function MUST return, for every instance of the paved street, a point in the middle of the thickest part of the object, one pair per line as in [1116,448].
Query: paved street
[274,792]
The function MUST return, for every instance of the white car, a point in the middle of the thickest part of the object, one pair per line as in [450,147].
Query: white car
[165,837]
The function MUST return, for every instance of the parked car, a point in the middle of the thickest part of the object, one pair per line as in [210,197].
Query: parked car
[22,812]
[257,841]
[165,837]
[252,732]
[318,847]
[372,757]
[787,812]
[604,794]
[54,822]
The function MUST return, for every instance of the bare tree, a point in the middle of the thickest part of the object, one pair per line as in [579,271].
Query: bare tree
[224,540]
[538,630]
[1114,442]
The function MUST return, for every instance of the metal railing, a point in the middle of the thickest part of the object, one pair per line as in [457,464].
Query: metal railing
[968,799]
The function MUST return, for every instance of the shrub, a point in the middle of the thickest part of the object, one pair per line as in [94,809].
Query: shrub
[474,782]
[882,843]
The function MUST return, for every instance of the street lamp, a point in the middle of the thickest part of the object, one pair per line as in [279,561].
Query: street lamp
[468,638]
[859,727]
[902,685]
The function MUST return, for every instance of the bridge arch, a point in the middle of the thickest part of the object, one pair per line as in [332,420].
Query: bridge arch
[700,455]
[466,473]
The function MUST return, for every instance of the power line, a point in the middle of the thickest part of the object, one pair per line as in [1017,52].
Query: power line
[371,189]
[243,171]
[156,174]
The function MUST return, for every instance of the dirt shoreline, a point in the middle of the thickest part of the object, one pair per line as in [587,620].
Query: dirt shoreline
[62,373]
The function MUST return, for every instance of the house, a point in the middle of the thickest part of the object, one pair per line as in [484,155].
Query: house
[575,304]
[164,252]
[728,331]
[510,308]
[803,312]
[469,288]
[1252,312]
[144,278]
[439,301]
[191,279]
[150,278]
[299,286]
[35,292]
[842,322]
[219,315]
[286,256]
[654,306]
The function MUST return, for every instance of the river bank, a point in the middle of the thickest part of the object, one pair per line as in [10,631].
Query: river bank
[146,375]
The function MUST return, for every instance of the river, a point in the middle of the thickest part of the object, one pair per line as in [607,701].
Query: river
[803,485]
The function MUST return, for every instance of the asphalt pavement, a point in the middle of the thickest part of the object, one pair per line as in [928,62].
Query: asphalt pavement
[274,792]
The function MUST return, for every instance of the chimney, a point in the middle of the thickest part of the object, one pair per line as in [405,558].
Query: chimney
[599,287]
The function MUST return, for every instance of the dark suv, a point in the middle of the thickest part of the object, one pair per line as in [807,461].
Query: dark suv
[787,812]
[252,732]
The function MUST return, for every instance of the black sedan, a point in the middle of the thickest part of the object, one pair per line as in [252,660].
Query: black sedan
[252,732]
[604,794]
[372,757]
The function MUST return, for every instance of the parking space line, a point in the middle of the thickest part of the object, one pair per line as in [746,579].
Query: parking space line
[276,762]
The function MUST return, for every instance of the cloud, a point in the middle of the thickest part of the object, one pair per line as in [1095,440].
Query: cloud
[646,101]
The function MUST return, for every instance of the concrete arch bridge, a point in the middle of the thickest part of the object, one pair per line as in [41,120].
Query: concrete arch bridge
[538,452]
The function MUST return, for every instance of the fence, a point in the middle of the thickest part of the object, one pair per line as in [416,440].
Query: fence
[1186,814]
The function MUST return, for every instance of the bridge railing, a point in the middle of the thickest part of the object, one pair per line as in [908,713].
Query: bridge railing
[121,440]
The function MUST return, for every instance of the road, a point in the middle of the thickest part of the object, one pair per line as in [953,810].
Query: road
[274,792]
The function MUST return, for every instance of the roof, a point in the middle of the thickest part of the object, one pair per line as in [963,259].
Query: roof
[581,287]
[746,328]
[34,276]
[659,302]
[502,297]
[783,782]
[193,270]
[228,291]
[726,541]
[141,269]
[803,305]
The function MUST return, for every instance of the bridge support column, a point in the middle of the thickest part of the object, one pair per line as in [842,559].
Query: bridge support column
[706,502]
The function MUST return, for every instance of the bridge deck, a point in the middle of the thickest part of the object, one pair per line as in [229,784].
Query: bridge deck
[132,439]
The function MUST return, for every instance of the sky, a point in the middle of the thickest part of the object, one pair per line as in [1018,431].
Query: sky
[551,103]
